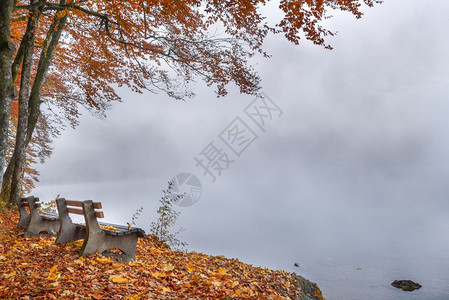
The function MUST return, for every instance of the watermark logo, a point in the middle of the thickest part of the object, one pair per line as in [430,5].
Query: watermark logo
[213,161]
[263,110]
[189,185]
[219,154]
[238,136]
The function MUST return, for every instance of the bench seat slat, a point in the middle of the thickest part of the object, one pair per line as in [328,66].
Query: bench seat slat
[120,229]
[116,225]
[49,216]
[125,228]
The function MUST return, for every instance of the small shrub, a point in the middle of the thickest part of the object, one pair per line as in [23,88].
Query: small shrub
[167,219]
[136,215]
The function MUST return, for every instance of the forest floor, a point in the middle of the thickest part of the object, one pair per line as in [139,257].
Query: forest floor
[36,268]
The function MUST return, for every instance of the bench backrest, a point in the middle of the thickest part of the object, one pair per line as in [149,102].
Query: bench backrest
[75,207]
[23,202]
[31,202]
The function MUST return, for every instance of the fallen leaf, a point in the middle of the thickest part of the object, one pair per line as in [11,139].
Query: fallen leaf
[9,275]
[119,279]
[103,260]
[222,271]
[135,264]
[66,293]
[165,289]
[168,267]
[159,274]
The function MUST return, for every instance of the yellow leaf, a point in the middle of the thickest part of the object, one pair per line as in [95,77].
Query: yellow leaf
[53,275]
[13,273]
[108,227]
[222,271]
[103,260]
[216,284]
[53,269]
[159,274]
[135,264]
[168,267]
[234,284]
[165,289]
[119,279]
[2,257]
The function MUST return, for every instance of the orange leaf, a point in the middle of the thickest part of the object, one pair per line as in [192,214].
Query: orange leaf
[119,279]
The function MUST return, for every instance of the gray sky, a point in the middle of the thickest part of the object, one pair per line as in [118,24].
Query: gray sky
[353,174]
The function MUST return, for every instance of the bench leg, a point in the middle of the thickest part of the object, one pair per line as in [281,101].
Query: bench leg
[25,217]
[101,242]
[24,220]
[70,232]
[38,225]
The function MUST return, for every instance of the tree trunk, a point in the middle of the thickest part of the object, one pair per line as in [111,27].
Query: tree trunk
[48,49]
[24,96]
[6,183]
[6,85]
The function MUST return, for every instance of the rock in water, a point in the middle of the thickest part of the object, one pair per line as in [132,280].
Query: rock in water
[406,285]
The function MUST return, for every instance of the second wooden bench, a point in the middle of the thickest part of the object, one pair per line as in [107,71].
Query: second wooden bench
[95,237]
[37,223]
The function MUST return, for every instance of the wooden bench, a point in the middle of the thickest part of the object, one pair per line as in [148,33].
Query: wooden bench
[95,238]
[36,222]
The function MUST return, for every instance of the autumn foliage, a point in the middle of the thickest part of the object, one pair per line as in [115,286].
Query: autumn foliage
[36,268]
[37,151]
